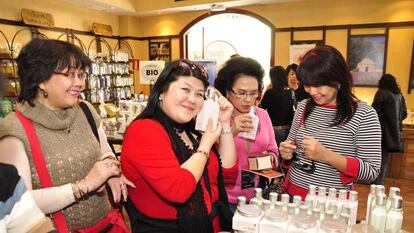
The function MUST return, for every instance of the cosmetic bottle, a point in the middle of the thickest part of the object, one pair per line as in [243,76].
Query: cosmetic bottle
[342,199]
[210,110]
[311,196]
[331,200]
[247,218]
[395,215]
[379,213]
[352,203]
[255,121]
[394,191]
[274,220]
[371,197]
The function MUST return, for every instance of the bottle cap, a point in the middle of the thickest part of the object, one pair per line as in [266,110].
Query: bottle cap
[353,195]
[342,194]
[396,202]
[297,200]
[210,93]
[254,201]
[258,193]
[322,192]
[265,204]
[379,189]
[394,191]
[372,188]
[291,208]
[273,197]
[312,190]
[381,199]
[241,200]
[252,110]
[332,192]
[285,198]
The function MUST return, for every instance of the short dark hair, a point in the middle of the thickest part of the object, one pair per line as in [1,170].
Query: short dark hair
[278,78]
[388,82]
[169,74]
[325,65]
[290,67]
[233,69]
[40,58]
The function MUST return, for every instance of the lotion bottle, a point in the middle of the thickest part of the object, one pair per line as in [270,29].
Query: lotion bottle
[210,110]
[255,121]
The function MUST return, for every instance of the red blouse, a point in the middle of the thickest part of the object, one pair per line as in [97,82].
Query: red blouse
[149,162]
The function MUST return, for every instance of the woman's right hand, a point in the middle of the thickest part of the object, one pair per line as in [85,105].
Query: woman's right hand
[286,149]
[101,172]
[242,123]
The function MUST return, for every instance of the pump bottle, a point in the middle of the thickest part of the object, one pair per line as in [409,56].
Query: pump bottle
[255,121]
[210,110]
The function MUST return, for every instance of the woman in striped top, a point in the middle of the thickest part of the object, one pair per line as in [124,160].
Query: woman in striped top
[335,139]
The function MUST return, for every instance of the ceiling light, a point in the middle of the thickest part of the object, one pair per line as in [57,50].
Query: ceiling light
[217,7]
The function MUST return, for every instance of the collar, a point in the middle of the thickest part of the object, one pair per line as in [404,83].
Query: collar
[51,119]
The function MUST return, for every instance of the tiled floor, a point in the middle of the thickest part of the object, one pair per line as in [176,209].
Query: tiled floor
[407,193]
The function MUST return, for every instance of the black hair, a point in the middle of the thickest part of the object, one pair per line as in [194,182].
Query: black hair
[290,67]
[324,65]
[40,58]
[278,77]
[169,74]
[236,67]
[388,82]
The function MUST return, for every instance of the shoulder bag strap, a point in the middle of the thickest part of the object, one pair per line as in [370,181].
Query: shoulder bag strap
[39,162]
[91,121]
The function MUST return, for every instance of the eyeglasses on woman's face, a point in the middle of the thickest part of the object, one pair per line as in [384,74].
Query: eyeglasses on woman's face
[245,94]
[72,75]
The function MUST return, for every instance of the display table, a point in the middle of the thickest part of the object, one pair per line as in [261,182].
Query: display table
[401,165]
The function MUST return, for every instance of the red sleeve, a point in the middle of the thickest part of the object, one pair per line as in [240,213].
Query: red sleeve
[147,150]
[352,170]
[231,173]
[286,163]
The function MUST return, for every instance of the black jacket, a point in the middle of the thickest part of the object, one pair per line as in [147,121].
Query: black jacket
[391,111]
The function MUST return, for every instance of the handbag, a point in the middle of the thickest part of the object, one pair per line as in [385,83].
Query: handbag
[111,222]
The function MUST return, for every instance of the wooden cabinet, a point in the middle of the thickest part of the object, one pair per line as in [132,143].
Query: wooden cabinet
[401,165]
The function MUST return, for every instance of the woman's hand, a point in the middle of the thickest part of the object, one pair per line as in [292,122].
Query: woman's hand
[286,149]
[100,173]
[313,149]
[118,187]
[242,123]
[226,109]
[210,136]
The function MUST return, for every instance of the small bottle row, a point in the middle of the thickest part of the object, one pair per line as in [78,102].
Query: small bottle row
[107,94]
[104,68]
[106,81]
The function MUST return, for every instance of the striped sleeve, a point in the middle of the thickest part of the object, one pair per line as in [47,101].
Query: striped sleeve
[368,145]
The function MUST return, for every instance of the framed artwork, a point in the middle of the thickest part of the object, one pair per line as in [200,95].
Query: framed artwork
[367,58]
[160,50]
[411,79]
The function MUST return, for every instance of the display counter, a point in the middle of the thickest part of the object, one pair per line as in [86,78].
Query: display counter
[401,165]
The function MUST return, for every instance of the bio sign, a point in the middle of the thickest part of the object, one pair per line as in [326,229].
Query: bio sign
[150,70]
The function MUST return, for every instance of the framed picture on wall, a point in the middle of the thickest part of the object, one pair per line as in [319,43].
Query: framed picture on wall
[411,79]
[367,58]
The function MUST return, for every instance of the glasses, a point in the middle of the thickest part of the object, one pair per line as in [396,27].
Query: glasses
[192,66]
[72,75]
[305,167]
[244,95]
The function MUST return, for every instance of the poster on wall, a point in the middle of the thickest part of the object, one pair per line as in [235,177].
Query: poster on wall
[366,58]
[150,70]
[297,51]
[211,67]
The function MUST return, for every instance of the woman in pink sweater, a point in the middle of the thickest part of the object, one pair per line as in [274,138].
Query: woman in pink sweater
[241,81]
